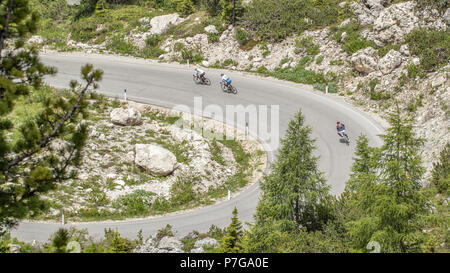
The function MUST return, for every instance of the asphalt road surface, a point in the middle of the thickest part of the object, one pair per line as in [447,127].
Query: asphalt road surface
[172,85]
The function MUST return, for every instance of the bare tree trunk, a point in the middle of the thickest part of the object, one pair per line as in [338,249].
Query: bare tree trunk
[6,26]
[234,12]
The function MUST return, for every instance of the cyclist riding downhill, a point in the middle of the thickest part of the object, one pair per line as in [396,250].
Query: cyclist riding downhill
[200,74]
[226,80]
[200,78]
[340,127]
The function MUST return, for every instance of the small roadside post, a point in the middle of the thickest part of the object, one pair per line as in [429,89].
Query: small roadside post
[62,216]
[229,193]
[326,88]
[125,94]
[188,62]
[246,130]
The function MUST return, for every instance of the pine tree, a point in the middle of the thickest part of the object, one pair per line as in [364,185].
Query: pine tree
[295,191]
[390,197]
[441,171]
[116,243]
[60,239]
[231,242]
[232,10]
[185,7]
[212,6]
[34,162]
[362,182]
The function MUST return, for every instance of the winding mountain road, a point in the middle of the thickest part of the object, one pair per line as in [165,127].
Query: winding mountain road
[170,85]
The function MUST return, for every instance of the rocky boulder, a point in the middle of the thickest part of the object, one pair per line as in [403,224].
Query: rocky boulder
[161,24]
[394,23]
[211,29]
[125,117]
[364,15]
[165,245]
[365,60]
[390,61]
[375,6]
[170,245]
[200,245]
[13,248]
[155,159]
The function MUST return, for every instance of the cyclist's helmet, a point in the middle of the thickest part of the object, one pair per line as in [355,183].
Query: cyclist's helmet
[337,122]
[221,74]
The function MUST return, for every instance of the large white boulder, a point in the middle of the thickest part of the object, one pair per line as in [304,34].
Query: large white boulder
[155,159]
[390,61]
[165,245]
[125,117]
[394,23]
[200,245]
[362,13]
[160,24]
[211,29]
[170,245]
[365,60]
[375,6]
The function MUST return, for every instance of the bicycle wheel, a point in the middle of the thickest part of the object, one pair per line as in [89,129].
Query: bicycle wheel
[196,79]
[233,90]
[224,89]
[347,139]
[207,81]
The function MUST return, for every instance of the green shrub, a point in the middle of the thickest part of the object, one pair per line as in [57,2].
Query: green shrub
[52,9]
[212,6]
[431,45]
[185,7]
[379,95]
[413,70]
[177,47]
[373,83]
[117,244]
[118,44]
[153,40]
[249,45]
[353,45]
[164,232]
[337,62]
[263,70]
[151,52]
[306,44]
[382,51]
[151,49]
[137,203]
[263,46]
[84,29]
[412,107]
[182,191]
[275,20]
[60,239]
[230,8]
[195,55]
[242,36]
[213,37]
[216,153]
[285,60]
[353,42]
[440,176]
[319,59]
